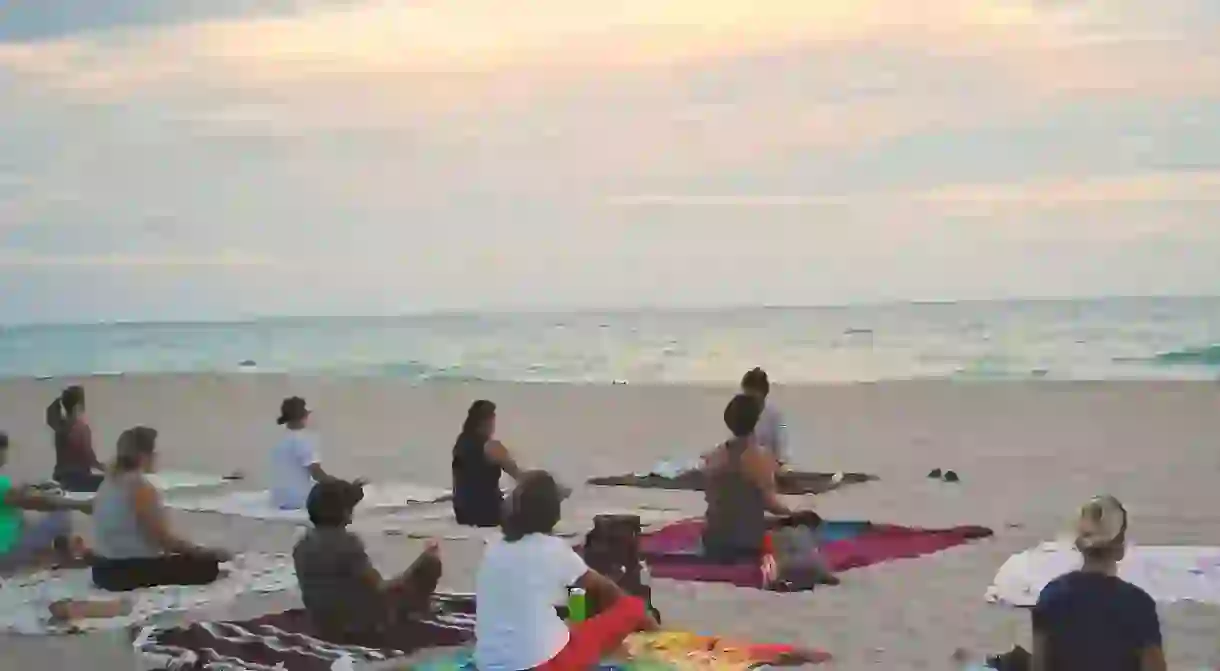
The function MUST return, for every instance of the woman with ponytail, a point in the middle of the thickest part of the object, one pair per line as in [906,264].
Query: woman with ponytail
[77,468]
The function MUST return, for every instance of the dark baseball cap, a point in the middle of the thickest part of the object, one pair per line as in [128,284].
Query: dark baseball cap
[292,410]
[331,501]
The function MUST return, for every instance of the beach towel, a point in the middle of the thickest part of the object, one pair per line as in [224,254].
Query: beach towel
[288,641]
[257,505]
[24,599]
[668,651]
[1168,573]
[792,483]
[168,482]
[675,551]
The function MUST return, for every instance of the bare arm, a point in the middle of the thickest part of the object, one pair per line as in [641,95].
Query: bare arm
[761,470]
[500,455]
[25,498]
[150,516]
[319,475]
[605,591]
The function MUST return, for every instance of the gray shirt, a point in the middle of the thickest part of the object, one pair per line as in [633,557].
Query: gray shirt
[330,564]
[117,530]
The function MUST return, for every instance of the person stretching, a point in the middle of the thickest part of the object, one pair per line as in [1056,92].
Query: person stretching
[346,598]
[296,463]
[77,468]
[526,574]
[135,545]
[1091,618]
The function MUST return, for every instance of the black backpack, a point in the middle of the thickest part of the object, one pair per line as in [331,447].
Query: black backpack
[612,549]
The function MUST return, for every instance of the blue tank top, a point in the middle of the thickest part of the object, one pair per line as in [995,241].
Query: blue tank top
[476,483]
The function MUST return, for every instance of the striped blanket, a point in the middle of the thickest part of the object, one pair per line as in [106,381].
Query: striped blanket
[287,641]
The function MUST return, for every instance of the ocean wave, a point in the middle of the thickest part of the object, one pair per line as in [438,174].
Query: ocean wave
[1190,356]
[1187,356]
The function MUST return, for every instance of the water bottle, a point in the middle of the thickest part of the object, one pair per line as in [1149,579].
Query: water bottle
[577,605]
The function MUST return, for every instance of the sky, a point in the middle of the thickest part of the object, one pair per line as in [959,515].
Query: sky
[220,159]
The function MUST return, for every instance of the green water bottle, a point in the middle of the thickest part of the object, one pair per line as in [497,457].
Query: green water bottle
[576,605]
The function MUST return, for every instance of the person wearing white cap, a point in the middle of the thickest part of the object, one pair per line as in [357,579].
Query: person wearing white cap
[1091,618]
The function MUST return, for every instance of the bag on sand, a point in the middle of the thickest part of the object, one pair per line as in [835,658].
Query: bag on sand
[799,564]
[612,548]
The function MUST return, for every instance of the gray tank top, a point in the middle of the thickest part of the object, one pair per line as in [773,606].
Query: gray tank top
[117,531]
[736,510]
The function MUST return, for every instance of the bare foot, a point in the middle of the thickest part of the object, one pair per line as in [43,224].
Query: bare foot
[67,611]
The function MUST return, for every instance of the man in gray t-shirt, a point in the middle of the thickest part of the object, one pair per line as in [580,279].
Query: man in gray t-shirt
[345,596]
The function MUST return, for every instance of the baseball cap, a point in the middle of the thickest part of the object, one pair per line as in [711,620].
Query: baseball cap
[1102,521]
[292,409]
[331,500]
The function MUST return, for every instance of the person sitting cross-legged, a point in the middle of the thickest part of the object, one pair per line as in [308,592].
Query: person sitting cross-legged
[346,597]
[524,576]
[1091,618]
[36,527]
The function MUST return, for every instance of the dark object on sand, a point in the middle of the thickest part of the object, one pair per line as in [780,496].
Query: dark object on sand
[935,473]
[612,548]
[951,476]
[792,483]
[248,363]
[1017,659]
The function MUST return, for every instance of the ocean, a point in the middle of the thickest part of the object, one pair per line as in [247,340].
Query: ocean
[1120,338]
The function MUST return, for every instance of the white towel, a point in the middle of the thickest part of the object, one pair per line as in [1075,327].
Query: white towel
[1167,573]
[257,505]
[166,481]
[25,599]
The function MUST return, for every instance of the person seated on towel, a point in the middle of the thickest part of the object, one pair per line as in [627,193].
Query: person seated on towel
[478,462]
[522,578]
[77,468]
[296,463]
[27,541]
[740,488]
[135,545]
[772,431]
[346,598]
[1091,618]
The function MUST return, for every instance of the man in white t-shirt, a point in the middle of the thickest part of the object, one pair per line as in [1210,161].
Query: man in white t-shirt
[296,463]
[772,431]
[524,576]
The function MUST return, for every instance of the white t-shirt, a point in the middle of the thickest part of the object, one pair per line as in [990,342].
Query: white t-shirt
[517,588]
[290,462]
[771,433]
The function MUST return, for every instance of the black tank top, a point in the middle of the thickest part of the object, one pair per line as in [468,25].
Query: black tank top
[476,483]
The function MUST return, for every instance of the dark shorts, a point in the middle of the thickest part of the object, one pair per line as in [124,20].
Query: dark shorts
[124,575]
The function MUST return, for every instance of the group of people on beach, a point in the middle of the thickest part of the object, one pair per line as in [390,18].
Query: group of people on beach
[1086,619]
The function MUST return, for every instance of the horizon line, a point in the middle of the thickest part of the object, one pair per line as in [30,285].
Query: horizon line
[461,313]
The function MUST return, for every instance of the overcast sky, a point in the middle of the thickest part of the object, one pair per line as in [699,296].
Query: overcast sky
[221,158]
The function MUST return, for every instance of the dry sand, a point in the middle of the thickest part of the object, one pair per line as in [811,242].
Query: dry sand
[1028,453]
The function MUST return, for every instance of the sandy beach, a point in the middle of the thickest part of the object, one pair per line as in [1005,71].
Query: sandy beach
[1027,452]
